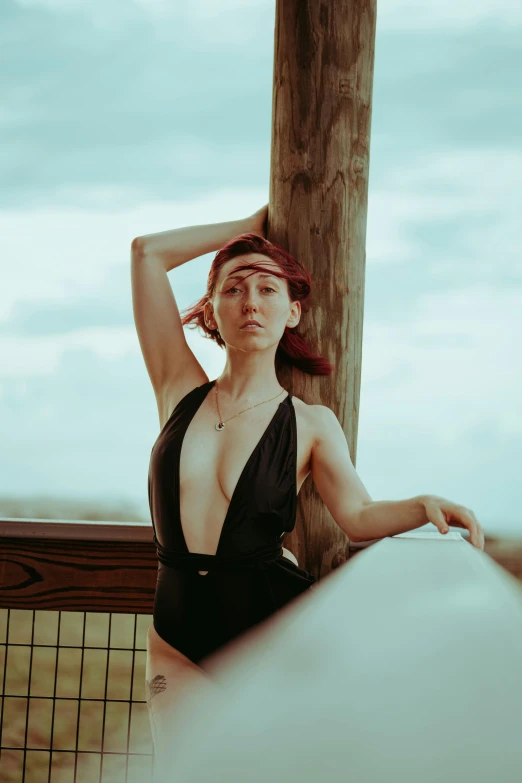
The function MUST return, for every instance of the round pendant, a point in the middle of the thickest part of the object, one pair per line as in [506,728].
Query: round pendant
[220,426]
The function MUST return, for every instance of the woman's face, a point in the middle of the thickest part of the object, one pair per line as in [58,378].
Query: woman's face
[245,294]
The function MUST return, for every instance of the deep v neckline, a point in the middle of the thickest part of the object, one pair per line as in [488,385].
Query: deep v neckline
[258,445]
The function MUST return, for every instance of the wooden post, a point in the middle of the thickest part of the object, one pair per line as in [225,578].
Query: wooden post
[320,154]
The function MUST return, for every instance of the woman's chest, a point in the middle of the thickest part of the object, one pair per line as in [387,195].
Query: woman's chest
[227,454]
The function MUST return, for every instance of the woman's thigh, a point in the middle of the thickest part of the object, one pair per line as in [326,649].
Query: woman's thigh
[173,683]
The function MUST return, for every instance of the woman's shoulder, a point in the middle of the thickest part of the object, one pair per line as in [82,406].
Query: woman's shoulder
[316,417]
[308,414]
[301,405]
[307,407]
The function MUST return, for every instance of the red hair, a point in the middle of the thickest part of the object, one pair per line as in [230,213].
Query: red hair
[293,349]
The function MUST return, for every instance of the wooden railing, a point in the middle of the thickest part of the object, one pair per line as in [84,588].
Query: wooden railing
[76,599]
[404,664]
[504,549]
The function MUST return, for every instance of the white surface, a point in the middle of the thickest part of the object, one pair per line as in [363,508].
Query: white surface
[453,535]
[404,665]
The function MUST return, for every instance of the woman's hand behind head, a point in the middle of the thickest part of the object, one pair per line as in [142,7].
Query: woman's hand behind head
[258,222]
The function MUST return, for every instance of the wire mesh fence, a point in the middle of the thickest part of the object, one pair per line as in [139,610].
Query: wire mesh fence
[73,707]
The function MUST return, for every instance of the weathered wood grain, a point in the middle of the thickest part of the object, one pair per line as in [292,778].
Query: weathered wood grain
[76,575]
[320,162]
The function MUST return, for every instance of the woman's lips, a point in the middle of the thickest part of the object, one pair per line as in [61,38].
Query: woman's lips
[250,328]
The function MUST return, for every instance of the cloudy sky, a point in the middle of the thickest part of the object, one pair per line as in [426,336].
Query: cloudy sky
[127,117]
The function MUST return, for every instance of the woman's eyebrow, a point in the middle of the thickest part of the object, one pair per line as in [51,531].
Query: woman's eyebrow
[237,277]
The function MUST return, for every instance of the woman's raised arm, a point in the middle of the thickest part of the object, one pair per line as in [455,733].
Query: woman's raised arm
[168,358]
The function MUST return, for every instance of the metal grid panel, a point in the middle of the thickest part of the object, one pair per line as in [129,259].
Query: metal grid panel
[73,707]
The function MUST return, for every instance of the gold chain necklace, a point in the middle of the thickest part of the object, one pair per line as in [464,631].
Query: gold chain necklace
[221,424]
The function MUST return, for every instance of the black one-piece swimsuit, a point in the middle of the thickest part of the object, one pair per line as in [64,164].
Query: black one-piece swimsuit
[248,578]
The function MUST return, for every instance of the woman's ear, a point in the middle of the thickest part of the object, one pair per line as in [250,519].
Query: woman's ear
[294,319]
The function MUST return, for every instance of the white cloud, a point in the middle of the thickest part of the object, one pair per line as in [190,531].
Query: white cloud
[211,23]
[479,189]
[201,9]
[29,356]
[54,253]
[451,367]
[391,14]
[447,15]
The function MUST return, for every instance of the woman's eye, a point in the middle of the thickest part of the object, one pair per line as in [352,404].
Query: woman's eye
[266,288]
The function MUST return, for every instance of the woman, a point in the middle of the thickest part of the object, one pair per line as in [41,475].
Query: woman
[234,484]
[232,454]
